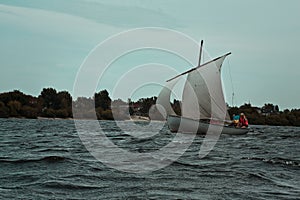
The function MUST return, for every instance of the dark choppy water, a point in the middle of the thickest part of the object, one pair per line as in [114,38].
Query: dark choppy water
[45,159]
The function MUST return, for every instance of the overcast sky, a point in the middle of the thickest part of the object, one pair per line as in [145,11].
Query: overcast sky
[44,43]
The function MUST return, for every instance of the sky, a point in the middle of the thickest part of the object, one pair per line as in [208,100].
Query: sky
[44,43]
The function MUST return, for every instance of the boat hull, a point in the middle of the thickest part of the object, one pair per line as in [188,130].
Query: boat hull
[188,125]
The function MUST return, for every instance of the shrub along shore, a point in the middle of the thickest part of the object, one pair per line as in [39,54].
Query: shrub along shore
[53,104]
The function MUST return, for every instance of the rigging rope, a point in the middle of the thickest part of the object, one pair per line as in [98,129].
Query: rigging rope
[232,88]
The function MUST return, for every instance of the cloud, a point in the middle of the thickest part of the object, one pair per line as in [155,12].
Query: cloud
[39,42]
[125,15]
[53,24]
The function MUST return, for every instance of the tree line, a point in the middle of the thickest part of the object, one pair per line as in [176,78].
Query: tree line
[268,114]
[49,103]
[58,104]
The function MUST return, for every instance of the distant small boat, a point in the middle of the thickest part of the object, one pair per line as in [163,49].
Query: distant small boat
[139,118]
[203,103]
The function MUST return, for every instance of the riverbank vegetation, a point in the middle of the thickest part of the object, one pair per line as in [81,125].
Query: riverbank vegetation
[53,104]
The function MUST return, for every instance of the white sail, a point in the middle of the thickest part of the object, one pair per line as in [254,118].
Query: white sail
[196,93]
[202,98]
[163,100]
[204,82]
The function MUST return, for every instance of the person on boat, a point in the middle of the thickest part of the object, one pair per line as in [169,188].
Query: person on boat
[243,122]
[236,119]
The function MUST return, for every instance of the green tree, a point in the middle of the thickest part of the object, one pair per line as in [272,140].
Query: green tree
[270,108]
[102,100]
[120,110]
[29,112]
[146,104]
[65,100]
[84,108]
[4,111]
[49,112]
[62,113]
[107,115]
[177,107]
[65,103]
[233,111]
[49,98]
[14,108]
[273,120]
[16,95]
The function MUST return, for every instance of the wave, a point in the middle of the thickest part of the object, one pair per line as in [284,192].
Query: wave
[184,164]
[52,150]
[260,176]
[50,159]
[66,185]
[276,160]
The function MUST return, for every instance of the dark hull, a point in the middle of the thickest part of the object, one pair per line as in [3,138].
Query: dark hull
[187,125]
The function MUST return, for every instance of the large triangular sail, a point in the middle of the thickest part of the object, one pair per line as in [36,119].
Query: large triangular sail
[204,82]
[202,90]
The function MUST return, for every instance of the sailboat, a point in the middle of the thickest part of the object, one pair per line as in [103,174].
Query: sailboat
[203,105]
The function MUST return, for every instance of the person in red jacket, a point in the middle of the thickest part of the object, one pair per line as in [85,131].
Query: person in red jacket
[243,122]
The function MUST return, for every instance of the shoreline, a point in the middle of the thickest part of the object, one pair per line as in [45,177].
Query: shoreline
[134,119]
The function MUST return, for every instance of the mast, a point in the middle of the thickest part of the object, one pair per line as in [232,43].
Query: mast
[200,53]
[232,99]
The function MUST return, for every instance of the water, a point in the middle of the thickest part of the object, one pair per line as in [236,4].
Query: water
[45,159]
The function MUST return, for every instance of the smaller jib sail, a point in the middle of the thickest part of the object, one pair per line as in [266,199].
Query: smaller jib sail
[163,99]
[202,96]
